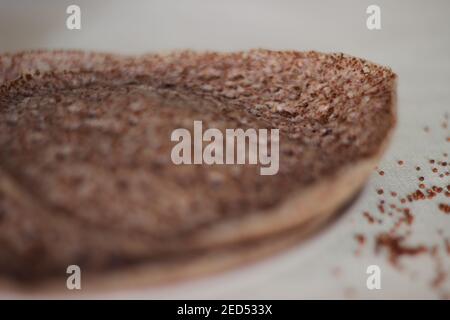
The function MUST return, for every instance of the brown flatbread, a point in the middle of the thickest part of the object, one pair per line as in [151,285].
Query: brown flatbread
[86,176]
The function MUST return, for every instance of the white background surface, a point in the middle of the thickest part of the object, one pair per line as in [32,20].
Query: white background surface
[414,41]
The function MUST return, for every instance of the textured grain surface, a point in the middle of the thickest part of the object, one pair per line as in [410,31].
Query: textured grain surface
[85,148]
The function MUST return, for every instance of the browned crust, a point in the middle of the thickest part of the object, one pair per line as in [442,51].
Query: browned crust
[298,210]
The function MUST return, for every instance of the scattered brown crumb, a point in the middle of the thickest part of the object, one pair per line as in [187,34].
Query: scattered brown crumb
[431,194]
[360,238]
[393,240]
[418,195]
[369,217]
[408,216]
[444,207]
[396,248]
[440,273]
